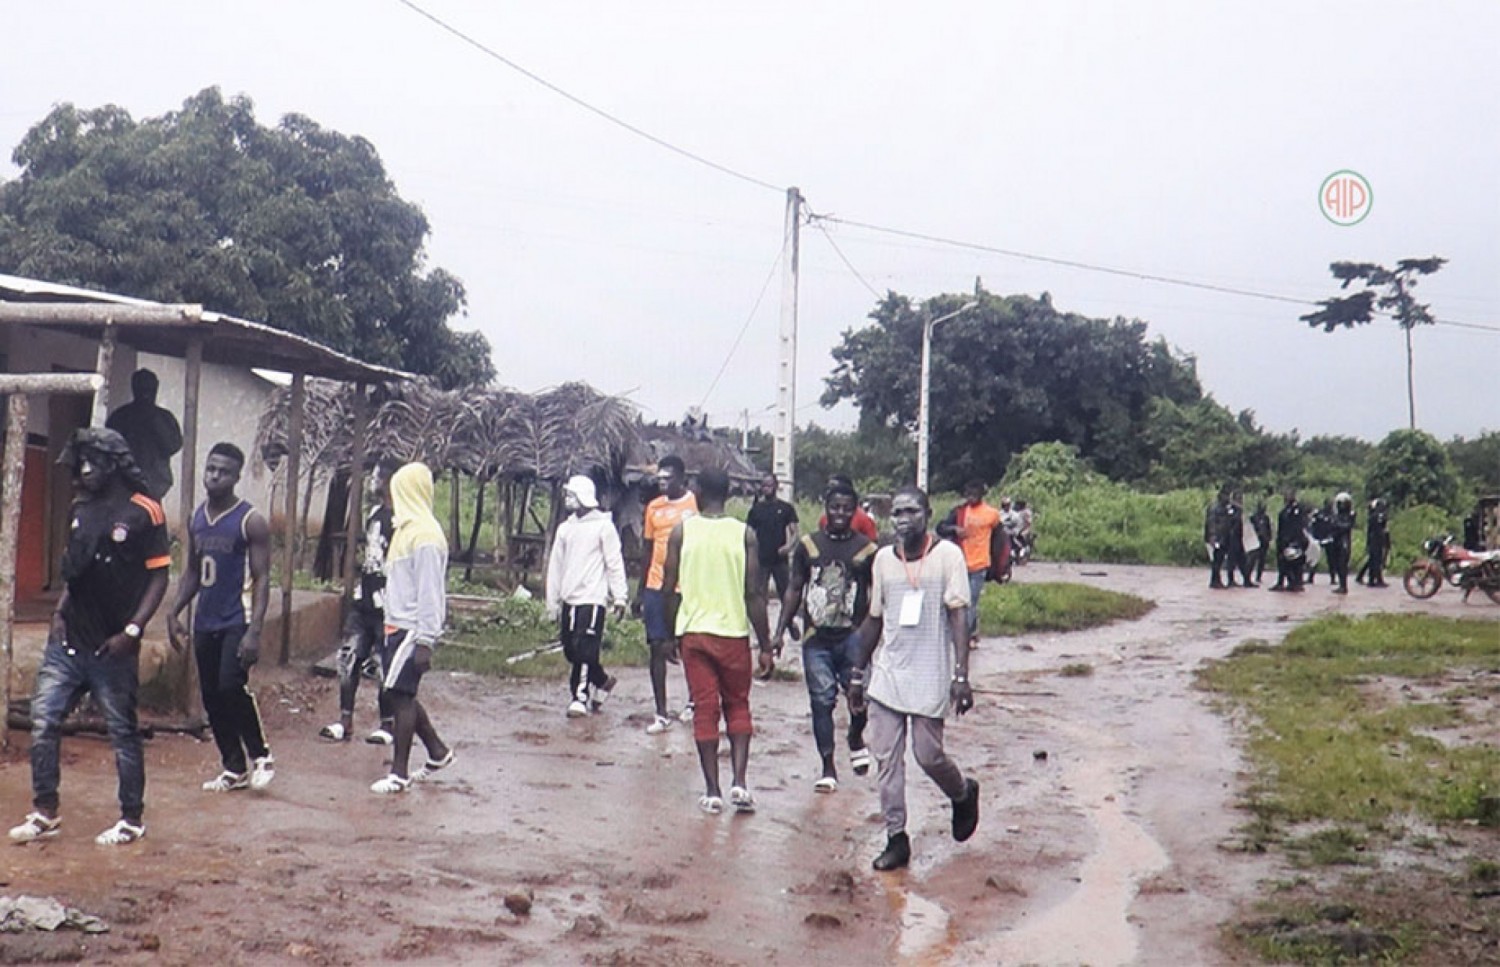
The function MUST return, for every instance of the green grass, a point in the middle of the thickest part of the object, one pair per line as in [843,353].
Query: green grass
[1328,747]
[1013,609]
[482,642]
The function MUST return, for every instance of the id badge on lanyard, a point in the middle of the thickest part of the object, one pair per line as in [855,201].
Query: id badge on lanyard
[911,608]
[910,614]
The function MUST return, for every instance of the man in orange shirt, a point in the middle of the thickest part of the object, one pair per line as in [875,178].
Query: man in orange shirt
[664,513]
[972,526]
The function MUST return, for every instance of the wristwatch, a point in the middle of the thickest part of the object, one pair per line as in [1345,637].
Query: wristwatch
[133,630]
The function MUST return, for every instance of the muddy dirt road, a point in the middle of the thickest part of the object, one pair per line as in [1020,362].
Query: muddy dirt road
[1106,797]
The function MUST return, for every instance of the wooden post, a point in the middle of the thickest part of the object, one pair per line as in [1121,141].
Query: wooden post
[10,525]
[293,467]
[192,372]
[354,524]
[106,362]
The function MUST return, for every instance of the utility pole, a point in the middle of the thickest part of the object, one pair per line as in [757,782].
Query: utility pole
[782,461]
[925,390]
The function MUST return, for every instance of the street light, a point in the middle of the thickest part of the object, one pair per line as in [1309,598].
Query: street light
[927,326]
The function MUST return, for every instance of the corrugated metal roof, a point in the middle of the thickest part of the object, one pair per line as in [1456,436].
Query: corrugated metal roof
[166,329]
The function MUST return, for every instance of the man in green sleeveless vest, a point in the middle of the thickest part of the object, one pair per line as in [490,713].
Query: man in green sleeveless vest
[712,561]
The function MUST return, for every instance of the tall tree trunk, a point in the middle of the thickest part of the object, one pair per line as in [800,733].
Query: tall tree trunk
[1411,389]
[455,542]
[474,531]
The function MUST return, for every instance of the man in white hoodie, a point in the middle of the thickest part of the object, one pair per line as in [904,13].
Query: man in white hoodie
[585,572]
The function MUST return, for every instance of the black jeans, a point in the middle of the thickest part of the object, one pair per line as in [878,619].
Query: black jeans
[232,712]
[364,631]
[581,628]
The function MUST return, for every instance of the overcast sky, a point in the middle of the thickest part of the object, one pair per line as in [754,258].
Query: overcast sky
[1184,139]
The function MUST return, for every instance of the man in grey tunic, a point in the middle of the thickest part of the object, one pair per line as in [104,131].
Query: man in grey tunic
[914,661]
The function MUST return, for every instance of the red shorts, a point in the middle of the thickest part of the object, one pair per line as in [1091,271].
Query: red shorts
[718,674]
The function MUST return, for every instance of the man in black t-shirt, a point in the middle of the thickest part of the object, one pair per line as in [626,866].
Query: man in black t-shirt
[775,524]
[115,567]
[830,581]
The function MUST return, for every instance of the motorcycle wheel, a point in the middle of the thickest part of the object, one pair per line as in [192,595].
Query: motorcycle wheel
[1422,580]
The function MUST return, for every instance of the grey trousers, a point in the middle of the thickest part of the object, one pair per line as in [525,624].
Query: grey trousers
[886,735]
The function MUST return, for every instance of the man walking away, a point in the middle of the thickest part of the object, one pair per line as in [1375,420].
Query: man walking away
[1255,563]
[830,581]
[585,572]
[228,540]
[416,605]
[917,636]
[364,626]
[973,526]
[713,561]
[115,569]
[663,514]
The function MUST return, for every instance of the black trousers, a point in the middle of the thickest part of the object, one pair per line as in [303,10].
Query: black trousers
[1338,564]
[582,632]
[224,684]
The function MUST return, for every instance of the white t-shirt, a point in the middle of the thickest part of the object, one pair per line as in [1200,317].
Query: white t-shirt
[912,670]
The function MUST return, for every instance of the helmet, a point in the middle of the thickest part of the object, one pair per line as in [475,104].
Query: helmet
[1342,499]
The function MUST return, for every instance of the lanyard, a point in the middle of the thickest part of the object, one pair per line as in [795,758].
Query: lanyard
[915,582]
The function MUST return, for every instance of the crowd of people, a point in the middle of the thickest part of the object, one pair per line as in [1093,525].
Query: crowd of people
[1238,545]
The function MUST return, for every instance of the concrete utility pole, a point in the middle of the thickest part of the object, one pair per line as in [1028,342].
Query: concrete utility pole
[783,462]
[929,324]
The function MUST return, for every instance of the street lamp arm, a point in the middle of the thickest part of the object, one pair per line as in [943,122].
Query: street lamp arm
[926,386]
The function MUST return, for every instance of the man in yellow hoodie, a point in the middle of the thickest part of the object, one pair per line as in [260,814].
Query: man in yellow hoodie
[416,570]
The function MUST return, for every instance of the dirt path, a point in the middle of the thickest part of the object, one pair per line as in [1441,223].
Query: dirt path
[1105,850]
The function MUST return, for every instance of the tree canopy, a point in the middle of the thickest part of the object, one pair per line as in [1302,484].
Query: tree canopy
[296,226]
[1412,467]
[1386,290]
[1009,373]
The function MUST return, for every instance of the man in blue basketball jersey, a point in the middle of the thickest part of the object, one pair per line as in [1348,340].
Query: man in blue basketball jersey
[228,538]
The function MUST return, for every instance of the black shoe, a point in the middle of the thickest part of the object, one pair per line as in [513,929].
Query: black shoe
[966,812]
[897,853]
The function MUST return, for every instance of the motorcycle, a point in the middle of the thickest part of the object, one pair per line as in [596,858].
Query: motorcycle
[1448,561]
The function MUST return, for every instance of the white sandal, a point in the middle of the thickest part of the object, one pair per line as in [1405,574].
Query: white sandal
[334,733]
[121,833]
[431,766]
[35,827]
[826,784]
[390,785]
[741,800]
[712,805]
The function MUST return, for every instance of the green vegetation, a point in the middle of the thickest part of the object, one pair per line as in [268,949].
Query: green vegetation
[1013,609]
[1356,733]
[1331,743]
[482,642]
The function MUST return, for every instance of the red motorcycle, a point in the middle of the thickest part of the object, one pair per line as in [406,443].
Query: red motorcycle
[1449,561]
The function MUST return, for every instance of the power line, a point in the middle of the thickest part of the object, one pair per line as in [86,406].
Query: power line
[818,224]
[1106,269]
[744,328]
[537,78]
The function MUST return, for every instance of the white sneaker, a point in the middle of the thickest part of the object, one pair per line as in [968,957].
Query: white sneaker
[121,833]
[34,828]
[227,781]
[660,725]
[577,709]
[687,713]
[262,772]
[603,692]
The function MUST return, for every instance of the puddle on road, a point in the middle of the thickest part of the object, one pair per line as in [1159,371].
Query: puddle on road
[1091,926]
[925,936]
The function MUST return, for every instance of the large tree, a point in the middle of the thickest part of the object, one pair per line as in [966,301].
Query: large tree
[1386,290]
[1011,372]
[295,225]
